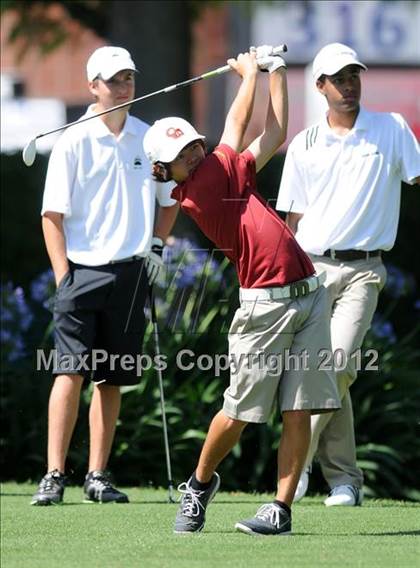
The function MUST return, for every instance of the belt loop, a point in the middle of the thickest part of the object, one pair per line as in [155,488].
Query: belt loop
[367,255]
[332,253]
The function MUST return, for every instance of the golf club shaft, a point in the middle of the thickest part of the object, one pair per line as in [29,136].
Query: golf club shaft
[162,398]
[219,71]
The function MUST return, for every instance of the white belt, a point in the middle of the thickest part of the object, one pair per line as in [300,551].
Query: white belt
[294,290]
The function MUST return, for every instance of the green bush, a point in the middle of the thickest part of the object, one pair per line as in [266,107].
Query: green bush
[387,404]
[24,393]
[195,304]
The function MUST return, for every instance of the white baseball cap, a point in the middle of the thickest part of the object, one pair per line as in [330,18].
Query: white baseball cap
[107,61]
[333,57]
[167,137]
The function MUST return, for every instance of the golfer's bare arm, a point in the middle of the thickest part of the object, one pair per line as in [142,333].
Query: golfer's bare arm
[240,111]
[292,221]
[55,242]
[165,221]
[275,130]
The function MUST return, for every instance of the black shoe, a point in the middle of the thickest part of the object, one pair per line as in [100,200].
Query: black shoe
[270,519]
[51,489]
[191,514]
[98,489]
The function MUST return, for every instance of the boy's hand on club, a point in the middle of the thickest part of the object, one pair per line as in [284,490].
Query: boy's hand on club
[262,51]
[245,64]
[271,63]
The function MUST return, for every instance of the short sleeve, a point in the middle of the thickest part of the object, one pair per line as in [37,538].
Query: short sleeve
[292,196]
[60,178]
[248,159]
[163,193]
[239,166]
[408,150]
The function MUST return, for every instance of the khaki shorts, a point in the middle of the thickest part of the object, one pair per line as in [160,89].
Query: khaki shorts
[274,350]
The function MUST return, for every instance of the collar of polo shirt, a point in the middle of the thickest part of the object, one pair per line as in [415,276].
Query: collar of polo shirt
[362,123]
[101,130]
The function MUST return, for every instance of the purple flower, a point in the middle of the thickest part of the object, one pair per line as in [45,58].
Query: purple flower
[18,350]
[6,315]
[16,318]
[5,336]
[188,265]
[398,283]
[43,286]
[25,313]
[15,307]
[383,329]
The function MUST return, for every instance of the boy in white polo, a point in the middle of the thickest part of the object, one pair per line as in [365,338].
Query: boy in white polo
[341,187]
[282,301]
[98,218]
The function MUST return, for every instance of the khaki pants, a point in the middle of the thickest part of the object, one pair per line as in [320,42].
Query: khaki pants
[353,289]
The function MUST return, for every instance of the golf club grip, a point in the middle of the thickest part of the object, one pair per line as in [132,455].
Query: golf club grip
[276,50]
[220,70]
[280,49]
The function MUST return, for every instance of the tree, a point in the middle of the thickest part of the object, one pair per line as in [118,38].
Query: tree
[156,33]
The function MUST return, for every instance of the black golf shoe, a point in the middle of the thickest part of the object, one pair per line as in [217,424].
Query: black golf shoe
[269,520]
[99,489]
[51,489]
[191,515]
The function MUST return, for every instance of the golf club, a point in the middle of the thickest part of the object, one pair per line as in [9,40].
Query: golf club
[29,152]
[171,498]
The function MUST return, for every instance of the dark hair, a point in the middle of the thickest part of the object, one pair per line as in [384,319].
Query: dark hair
[161,171]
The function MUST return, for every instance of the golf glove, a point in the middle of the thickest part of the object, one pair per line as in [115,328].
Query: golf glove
[270,63]
[262,51]
[154,261]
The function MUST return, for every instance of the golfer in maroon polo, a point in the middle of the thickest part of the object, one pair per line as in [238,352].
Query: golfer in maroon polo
[282,300]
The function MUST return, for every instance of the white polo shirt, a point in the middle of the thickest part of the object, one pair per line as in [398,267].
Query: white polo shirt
[349,187]
[103,186]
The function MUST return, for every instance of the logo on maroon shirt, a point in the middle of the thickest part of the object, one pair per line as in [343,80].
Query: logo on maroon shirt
[174,132]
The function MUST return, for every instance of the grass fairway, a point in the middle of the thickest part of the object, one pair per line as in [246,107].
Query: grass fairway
[381,533]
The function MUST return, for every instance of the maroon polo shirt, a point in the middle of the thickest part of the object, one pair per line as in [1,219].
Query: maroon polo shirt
[221,197]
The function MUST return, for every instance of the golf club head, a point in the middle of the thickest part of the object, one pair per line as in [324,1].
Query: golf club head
[29,152]
[171,498]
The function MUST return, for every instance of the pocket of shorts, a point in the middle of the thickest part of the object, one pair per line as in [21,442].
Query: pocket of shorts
[62,299]
[240,318]
[384,277]
[382,274]
[252,317]
[65,279]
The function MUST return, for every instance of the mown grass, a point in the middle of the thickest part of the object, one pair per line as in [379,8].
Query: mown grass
[382,533]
